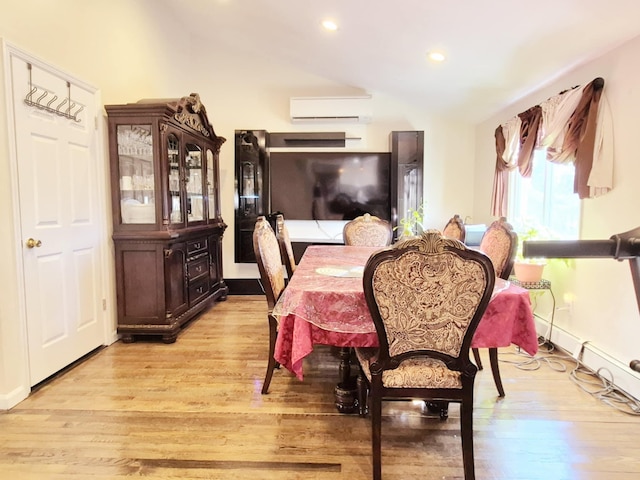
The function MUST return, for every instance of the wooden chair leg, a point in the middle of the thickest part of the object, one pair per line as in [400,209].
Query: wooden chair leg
[376,434]
[466,432]
[272,364]
[476,356]
[493,358]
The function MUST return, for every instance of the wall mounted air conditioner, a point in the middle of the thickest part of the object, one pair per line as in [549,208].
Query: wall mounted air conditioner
[331,109]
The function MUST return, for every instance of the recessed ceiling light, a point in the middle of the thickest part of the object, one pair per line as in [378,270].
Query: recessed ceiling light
[330,25]
[437,56]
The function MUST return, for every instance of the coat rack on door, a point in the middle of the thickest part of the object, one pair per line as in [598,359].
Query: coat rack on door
[60,108]
[622,246]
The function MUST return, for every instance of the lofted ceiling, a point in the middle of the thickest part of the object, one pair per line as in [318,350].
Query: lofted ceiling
[497,50]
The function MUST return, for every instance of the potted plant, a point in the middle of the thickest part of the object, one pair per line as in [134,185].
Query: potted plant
[412,224]
[529,270]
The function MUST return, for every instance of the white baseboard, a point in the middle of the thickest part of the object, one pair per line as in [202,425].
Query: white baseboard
[14,397]
[114,337]
[593,358]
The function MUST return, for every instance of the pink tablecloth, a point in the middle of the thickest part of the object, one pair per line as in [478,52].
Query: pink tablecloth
[329,308]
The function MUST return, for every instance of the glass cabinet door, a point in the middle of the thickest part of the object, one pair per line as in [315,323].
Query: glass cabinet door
[173,156]
[211,184]
[248,189]
[136,173]
[194,181]
[408,198]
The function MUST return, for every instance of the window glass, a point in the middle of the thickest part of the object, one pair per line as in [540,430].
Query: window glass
[545,201]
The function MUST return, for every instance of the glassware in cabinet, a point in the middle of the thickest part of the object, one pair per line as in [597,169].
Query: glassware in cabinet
[212,194]
[194,181]
[136,173]
[173,159]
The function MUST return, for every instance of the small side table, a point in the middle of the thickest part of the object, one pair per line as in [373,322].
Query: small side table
[544,285]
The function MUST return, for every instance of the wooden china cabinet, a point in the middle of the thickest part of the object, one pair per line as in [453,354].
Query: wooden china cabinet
[167,227]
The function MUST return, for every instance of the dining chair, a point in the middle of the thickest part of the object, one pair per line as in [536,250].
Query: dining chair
[499,243]
[267,252]
[455,228]
[367,231]
[426,297]
[286,249]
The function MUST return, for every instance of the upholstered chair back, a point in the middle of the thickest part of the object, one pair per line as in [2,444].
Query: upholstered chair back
[499,243]
[267,251]
[286,249]
[425,295]
[455,228]
[367,231]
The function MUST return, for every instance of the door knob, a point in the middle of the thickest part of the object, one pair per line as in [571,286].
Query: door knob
[33,243]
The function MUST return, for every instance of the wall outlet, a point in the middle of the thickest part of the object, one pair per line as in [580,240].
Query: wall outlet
[569,299]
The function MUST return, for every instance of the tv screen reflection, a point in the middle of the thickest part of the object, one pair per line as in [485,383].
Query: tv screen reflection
[330,186]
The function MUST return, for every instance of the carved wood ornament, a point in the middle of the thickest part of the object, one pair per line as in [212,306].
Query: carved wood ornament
[192,113]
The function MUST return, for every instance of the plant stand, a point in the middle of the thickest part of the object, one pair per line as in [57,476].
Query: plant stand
[544,285]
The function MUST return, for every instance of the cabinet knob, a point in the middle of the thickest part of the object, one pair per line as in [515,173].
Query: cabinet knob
[31,243]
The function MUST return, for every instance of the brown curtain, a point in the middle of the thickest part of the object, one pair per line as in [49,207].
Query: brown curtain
[528,138]
[578,145]
[581,134]
[501,177]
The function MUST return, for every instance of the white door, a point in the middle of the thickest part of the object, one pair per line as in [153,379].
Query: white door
[57,173]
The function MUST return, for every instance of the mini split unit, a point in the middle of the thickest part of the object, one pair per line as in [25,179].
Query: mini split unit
[331,109]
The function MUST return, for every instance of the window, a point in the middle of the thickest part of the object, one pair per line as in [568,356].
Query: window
[546,199]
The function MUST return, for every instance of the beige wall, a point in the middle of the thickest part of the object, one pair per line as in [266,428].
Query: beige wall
[133,49]
[604,312]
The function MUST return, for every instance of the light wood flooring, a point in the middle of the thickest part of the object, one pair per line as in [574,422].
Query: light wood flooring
[193,410]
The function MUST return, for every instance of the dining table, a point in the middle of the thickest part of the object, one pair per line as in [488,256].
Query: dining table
[324,304]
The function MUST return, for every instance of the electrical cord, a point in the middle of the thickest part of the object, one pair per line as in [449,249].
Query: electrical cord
[328,235]
[534,363]
[599,384]
[603,388]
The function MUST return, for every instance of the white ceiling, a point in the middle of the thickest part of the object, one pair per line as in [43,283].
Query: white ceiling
[497,50]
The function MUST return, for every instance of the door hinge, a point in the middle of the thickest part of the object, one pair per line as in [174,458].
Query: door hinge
[104,304]
[95,122]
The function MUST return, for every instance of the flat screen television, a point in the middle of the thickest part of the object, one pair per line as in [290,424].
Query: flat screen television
[330,185]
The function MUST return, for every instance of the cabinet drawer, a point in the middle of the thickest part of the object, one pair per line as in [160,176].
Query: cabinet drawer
[196,246]
[197,267]
[198,290]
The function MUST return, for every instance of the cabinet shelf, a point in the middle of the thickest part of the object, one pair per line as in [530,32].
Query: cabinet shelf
[143,158]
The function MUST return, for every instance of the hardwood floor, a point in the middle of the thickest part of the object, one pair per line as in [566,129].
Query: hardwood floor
[193,410]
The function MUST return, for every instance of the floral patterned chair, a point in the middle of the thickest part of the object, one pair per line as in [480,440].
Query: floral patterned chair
[455,228]
[426,296]
[367,231]
[499,243]
[267,251]
[286,250]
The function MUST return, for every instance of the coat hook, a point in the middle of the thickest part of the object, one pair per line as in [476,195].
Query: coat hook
[44,94]
[62,104]
[28,99]
[55,97]
[75,115]
[30,94]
